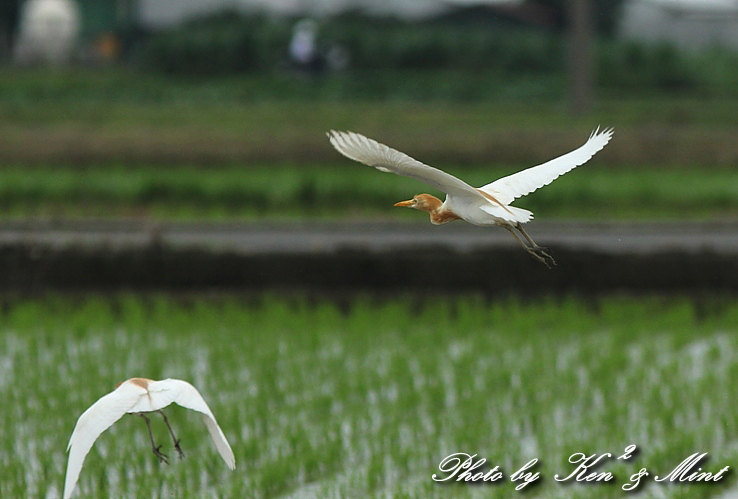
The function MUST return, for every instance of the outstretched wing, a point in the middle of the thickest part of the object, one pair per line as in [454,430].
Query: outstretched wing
[370,152]
[96,419]
[186,395]
[519,184]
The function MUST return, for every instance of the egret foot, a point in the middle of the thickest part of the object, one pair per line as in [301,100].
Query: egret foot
[540,251]
[162,457]
[537,255]
[155,448]
[537,252]
[544,253]
[179,450]
[174,438]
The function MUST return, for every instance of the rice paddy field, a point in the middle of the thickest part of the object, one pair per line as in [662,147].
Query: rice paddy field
[365,398]
[119,143]
[308,191]
[367,395]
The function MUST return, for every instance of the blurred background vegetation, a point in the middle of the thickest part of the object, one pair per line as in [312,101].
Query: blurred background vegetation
[480,89]
[166,109]
[528,58]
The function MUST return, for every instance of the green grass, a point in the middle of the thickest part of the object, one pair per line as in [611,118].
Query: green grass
[126,97]
[98,117]
[350,190]
[36,87]
[366,400]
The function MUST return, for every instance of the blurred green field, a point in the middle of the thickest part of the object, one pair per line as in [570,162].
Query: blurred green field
[118,142]
[302,191]
[366,399]
[125,96]
[97,118]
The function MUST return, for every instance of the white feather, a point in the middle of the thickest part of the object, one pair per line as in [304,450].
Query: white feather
[462,199]
[488,205]
[190,398]
[130,398]
[370,152]
[524,182]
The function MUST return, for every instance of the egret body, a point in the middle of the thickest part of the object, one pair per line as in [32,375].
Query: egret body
[139,396]
[484,206]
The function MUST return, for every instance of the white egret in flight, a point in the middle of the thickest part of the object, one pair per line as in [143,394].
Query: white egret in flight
[486,205]
[139,396]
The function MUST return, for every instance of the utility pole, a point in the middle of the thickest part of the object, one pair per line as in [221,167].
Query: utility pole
[581,92]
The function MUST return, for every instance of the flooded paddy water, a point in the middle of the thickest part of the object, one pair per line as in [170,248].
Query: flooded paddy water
[344,365]
[367,398]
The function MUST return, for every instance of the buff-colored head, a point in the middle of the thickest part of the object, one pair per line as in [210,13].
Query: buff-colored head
[424,202]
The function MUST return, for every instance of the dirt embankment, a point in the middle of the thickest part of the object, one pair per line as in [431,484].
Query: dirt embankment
[69,145]
[385,258]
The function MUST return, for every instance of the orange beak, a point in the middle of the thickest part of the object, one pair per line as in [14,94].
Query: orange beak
[407,203]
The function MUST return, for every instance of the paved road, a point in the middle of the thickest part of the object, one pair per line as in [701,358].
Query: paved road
[325,237]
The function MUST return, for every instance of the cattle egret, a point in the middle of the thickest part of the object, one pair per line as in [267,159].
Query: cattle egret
[487,205]
[139,396]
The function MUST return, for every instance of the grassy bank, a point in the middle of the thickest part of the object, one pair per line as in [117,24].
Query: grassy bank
[88,118]
[366,401]
[125,97]
[349,190]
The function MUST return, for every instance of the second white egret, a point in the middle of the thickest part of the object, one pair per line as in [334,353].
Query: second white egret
[139,396]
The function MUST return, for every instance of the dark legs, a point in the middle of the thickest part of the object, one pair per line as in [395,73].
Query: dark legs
[171,432]
[156,448]
[162,457]
[541,250]
[537,252]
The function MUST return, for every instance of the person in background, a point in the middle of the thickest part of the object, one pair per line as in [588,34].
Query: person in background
[308,57]
[303,47]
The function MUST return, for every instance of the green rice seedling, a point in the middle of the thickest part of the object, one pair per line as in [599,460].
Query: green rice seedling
[366,400]
[291,191]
